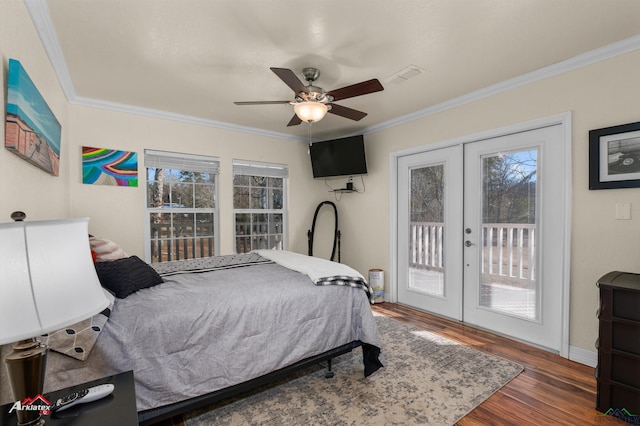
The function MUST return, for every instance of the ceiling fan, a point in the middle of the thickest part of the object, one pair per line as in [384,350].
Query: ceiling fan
[311,103]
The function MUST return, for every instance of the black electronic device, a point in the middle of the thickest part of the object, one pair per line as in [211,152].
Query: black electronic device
[338,157]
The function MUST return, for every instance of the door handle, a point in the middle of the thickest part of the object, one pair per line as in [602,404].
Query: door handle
[468,243]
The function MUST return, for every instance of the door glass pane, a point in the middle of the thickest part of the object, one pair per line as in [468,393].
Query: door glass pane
[426,230]
[509,281]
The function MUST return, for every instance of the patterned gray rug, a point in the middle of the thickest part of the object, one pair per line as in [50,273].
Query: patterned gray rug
[427,380]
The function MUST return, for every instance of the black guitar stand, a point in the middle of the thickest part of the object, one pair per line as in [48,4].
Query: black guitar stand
[336,234]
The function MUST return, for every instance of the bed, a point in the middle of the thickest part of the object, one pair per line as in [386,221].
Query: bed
[218,326]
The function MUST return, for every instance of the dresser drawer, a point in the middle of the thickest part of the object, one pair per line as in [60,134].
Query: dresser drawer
[613,395]
[626,305]
[625,337]
[625,370]
[619,335]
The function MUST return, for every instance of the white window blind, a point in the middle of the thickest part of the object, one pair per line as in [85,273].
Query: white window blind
[179,161]
[260,169]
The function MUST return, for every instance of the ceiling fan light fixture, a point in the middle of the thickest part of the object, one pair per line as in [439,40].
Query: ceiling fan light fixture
[312,103]
[311,112]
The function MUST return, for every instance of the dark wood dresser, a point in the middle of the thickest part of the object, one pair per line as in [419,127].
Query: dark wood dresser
[618,371]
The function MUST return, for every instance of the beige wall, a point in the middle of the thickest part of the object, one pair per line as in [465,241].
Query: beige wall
[599,95]
[118,213]
[25,187]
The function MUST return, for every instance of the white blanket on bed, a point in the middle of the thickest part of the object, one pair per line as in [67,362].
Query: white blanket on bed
[320,271]
[314,267]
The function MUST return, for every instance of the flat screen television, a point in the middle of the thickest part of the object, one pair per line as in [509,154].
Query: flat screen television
[338,157]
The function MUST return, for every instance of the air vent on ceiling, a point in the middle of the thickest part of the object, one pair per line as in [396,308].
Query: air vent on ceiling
[404,74]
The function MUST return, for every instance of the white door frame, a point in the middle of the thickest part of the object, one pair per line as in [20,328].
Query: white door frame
[561,119]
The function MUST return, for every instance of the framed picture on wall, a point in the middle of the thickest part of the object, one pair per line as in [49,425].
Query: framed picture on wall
[103,166]
[32,132]
[614,157]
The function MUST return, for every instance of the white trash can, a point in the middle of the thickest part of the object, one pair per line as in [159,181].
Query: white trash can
[376,280]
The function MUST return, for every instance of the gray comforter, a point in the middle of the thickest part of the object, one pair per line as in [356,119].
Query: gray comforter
[201,332]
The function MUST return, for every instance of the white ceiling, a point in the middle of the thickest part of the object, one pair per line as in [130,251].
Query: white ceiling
[191,59]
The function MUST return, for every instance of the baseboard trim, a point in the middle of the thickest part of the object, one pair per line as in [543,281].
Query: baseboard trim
[583,356]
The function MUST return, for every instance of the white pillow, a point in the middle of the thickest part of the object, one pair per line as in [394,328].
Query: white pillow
[106,250]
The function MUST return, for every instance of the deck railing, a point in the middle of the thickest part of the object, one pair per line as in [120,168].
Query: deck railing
[258,235]
[426,245]
[508,248]
[184,240]
[181,241]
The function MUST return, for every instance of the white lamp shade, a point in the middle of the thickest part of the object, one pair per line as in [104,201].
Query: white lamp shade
[47,278]
[310,111]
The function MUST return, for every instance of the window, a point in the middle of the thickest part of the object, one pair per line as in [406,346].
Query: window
[259,205]
[182,212]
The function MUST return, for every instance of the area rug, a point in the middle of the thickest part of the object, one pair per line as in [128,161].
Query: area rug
[427,380]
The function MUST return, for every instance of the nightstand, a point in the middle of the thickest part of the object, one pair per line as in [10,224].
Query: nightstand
[119,408]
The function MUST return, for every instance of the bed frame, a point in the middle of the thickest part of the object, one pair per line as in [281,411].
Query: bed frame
[154,415]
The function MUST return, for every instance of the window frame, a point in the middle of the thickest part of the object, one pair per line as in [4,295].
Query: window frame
[189,163]
[268,170]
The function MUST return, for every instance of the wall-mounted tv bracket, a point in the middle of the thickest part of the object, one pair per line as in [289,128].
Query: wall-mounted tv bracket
[336,233]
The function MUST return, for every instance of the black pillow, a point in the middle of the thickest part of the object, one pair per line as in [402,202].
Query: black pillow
[126,276]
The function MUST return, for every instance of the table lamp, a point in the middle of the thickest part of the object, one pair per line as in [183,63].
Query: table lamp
[47,282]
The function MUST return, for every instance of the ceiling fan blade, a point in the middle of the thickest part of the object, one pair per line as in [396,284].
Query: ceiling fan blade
[290,79]
[350,113]
[261,102]
[358,89]
[295,120]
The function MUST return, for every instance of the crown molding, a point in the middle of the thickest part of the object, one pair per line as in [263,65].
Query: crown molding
[154,113]
[39,13]
[610,51]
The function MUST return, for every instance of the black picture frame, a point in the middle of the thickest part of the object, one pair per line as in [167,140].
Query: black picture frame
[614,157]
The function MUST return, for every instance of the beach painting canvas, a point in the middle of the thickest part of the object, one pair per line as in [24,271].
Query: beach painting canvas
[102,166]
[31,130]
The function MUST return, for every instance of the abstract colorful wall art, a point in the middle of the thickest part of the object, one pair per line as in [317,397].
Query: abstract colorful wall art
[31,130]
[101,166]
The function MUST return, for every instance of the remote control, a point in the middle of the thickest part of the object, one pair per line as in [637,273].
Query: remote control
[82,397]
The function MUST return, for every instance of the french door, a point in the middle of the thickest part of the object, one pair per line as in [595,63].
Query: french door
[429,235]
[480,233]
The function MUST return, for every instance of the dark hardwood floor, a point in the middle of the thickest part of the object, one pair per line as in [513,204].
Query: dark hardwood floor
[550,391]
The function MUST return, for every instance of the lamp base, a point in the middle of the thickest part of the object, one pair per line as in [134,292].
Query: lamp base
[26,368]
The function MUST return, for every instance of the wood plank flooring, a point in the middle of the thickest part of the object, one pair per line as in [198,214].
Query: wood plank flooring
[550,391]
